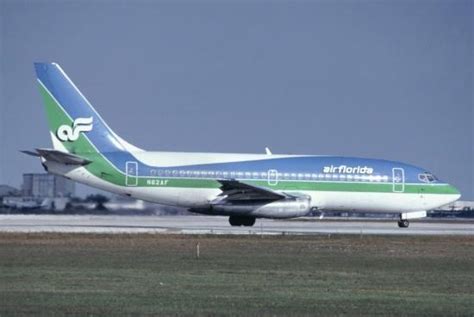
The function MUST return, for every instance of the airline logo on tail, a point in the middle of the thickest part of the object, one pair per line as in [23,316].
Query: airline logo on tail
[68,133]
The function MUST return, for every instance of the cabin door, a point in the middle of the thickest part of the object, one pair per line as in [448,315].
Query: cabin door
[398,179]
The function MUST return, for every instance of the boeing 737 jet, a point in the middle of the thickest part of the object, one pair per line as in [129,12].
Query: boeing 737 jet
[241,186]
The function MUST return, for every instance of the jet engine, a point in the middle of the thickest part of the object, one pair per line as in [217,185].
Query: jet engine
[293,206]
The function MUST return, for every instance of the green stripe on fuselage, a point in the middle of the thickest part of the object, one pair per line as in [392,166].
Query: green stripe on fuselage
[303,185]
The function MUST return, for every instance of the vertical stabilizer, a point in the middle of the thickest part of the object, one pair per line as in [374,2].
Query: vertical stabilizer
[75,125]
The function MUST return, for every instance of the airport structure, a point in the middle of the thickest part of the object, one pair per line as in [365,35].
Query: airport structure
[44,185]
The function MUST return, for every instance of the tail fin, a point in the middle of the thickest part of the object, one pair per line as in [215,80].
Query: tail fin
[74,124]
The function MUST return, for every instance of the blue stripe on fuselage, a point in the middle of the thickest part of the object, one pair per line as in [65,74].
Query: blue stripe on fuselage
[297,164]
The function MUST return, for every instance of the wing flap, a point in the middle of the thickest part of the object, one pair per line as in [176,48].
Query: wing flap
[233,190]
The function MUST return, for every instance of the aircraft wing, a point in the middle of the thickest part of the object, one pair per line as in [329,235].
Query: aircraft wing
[59,156]
[233,190]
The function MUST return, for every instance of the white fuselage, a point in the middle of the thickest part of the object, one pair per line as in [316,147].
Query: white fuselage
[200,197]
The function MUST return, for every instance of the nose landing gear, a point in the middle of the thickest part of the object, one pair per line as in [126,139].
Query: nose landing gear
[403,223]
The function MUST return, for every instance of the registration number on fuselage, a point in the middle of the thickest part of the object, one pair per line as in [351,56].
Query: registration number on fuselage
[157,182]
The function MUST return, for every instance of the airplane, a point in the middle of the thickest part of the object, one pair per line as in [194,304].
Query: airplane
[241,186]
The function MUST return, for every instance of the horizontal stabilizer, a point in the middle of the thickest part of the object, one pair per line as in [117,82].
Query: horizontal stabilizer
[32,153]
[59,156]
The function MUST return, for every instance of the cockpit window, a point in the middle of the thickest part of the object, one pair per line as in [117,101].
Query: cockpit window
[427,177]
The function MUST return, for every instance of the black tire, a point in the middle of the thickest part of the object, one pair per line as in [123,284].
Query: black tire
[234,221]
[403,223]
[249,221]
[241,221]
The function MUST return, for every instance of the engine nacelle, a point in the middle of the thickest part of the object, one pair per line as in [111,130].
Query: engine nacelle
[286,208]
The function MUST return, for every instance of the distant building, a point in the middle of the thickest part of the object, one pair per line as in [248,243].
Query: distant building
[47,185]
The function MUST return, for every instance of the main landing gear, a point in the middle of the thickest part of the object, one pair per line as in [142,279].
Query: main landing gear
[241,221]
[403,223]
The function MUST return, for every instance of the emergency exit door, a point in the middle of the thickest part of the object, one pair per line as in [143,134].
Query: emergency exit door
[131,173]
[272,177]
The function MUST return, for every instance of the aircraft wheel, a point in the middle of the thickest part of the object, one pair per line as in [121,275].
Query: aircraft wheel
[241,221]
[403,223]
[249,221]
[234,221]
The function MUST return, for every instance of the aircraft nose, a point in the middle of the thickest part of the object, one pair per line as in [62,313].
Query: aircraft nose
[455,192]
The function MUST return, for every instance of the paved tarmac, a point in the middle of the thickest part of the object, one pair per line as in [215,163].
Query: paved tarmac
[220,225]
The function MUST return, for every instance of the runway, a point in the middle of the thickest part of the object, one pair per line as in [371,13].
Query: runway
[220,225]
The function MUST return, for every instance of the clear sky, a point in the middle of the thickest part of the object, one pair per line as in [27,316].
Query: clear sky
[384,79]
